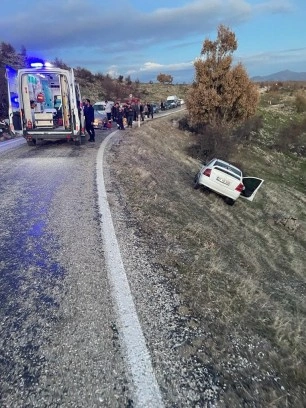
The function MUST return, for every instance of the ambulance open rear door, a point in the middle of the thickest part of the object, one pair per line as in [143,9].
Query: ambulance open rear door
[15,112]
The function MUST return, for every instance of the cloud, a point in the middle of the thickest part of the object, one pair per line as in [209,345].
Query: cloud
[98,37]
[74,23]
[152,66]
[266,62]
[274,6]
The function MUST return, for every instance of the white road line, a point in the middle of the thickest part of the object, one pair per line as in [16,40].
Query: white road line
[9,144]
[145,388]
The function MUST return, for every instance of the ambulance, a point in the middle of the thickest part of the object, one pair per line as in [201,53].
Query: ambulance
[45,104]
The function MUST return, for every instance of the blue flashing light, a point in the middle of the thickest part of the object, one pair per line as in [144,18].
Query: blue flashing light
[36,62]
[14,100]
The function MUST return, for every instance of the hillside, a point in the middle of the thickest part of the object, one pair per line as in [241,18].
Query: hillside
[238,272]
[283,76]
[154,92]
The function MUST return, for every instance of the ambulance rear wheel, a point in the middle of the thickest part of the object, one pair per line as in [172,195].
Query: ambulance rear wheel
[31,142]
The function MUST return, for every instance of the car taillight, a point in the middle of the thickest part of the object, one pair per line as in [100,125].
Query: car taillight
[29,124]
[240,187]
[207,172]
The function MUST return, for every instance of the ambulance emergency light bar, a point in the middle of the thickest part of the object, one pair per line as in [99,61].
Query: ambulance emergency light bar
[39,64]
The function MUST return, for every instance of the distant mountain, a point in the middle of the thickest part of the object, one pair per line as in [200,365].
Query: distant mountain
[282,76]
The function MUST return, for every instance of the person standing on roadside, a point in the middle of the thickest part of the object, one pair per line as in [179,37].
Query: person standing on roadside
[130,116]
[141,111]
[120,118]
[89,115]
[136,108]
[145,110]
[150,109]
[115,109]
[108,110]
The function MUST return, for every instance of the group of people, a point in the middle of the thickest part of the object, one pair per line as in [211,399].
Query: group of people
[123,115]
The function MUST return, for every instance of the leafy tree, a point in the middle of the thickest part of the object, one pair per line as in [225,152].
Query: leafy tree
[84,74]
[8,56]
[164,78]
[221,95]
[7,53]
[99,77]
[23,56]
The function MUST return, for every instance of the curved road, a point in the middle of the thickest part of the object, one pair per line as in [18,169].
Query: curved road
[70,335]
[59,341]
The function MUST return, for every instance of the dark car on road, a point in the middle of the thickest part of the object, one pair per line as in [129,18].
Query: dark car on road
[167,105]
[155,107]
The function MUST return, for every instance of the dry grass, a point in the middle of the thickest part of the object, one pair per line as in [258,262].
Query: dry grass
[241,272]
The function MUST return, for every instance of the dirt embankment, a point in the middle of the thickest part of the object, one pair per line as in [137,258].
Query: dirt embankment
[240,270]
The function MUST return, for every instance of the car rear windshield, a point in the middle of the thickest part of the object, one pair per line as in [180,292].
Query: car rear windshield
[99,107]
[227,168]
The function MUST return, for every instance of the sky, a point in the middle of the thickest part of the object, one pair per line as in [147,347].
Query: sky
[142,38]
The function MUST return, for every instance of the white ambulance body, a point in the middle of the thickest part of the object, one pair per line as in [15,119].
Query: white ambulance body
[45,104]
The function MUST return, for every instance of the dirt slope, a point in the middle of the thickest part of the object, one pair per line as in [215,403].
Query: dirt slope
[240,270]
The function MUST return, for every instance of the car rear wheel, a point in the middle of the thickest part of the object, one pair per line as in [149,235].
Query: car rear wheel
[229,201]
[196,184]
[31,142]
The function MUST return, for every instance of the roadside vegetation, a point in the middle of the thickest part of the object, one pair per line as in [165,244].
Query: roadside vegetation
[240,271]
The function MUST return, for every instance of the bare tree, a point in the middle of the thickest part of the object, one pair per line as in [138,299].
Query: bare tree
[221,95]
[60,63]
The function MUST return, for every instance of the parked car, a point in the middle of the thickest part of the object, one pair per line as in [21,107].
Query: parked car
[227,180]
[100,106]
[168,105]
[155,107]
[99,118]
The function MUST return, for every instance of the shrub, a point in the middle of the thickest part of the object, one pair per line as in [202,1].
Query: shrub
[292,138]
[300,102]
[251,126]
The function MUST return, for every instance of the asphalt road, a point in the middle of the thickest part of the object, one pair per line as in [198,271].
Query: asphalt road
[68,336]
[59,342]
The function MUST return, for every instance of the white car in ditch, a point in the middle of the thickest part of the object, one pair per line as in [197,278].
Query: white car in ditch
[227,180]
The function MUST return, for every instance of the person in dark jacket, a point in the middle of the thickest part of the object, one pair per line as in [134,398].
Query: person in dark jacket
[115,109]
[120,119]
[89,115]
[130,116]
[141,111]
[150,110]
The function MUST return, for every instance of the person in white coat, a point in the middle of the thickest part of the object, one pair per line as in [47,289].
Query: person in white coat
[108,110]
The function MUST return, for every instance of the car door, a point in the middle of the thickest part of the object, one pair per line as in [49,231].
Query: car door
[16,125]
[251,186]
